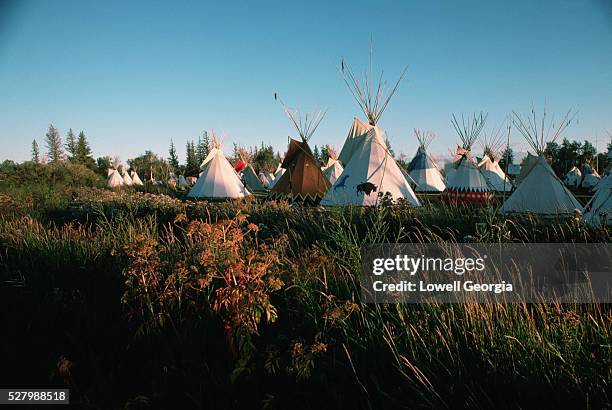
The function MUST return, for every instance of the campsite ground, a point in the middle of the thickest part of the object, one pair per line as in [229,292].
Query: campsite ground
[126,298]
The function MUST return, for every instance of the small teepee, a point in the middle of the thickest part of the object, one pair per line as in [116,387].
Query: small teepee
[218,179]
[136,179]
[370,171]
[573,177]
[265,179]
[599,209]
[247,174]
[590,177]
[182,182]
[114,179]
[302,179]
[423,169]
[333,168]
[466,184]
[172,180]
[277,176]
[489,164]
[127,180]
[541,192]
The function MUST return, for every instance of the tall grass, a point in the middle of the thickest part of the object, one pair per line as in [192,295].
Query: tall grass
[250,304]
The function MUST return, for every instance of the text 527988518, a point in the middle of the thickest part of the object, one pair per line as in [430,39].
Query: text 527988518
[34,396]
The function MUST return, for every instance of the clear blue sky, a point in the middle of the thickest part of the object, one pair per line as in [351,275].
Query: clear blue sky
[133,75]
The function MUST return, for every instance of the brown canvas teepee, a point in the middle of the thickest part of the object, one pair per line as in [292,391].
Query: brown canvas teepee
[303,180]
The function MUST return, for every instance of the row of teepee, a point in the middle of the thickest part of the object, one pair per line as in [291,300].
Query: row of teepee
[115,179]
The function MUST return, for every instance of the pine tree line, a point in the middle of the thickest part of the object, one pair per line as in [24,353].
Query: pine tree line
[76,149]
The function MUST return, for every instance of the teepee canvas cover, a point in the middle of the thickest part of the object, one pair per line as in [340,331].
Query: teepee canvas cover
[218,179]
[495,176]
[333,168]
[114,179]
[599,208]
[302,179]
[422,169]
[358,129]
[182,182]
[573,177]
[370,174]
[541,191]
[136,179]
[590,178]
[466,185]
[370,171]
[249,178]
[126,178]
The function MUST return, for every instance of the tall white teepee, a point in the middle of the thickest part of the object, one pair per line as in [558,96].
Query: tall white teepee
[467,185]
[541,191]
[423,169]
[599,209]
[370,171]
[218,179]
[127,180]
[136,179]
[573,177]
[489,164]
[114,179]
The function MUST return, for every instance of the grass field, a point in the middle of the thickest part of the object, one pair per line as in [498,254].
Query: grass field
[143,300]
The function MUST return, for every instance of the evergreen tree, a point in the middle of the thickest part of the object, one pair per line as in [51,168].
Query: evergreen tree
[203,147]
[324,154]
[588,152]
[264,158]
[235,153]
[173,157]
[191,165]
[71,145]
[508,154]
[316,154]
[83,152]
[35,152]
[103,164]
[54,144]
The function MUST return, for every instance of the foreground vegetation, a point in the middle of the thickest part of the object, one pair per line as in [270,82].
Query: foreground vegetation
[142,300]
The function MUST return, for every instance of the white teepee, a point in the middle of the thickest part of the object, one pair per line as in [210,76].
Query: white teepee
[590,178]
[114,179]
[182,182]
[541,191]
[573,177]
[599,208]
[277,177]
[358,128]
[467,185]
[489,164]
[218,179]
[127,180]
[333,168]
[136,179]
[250,179]
[423,169]
[265,179]
[370,171]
